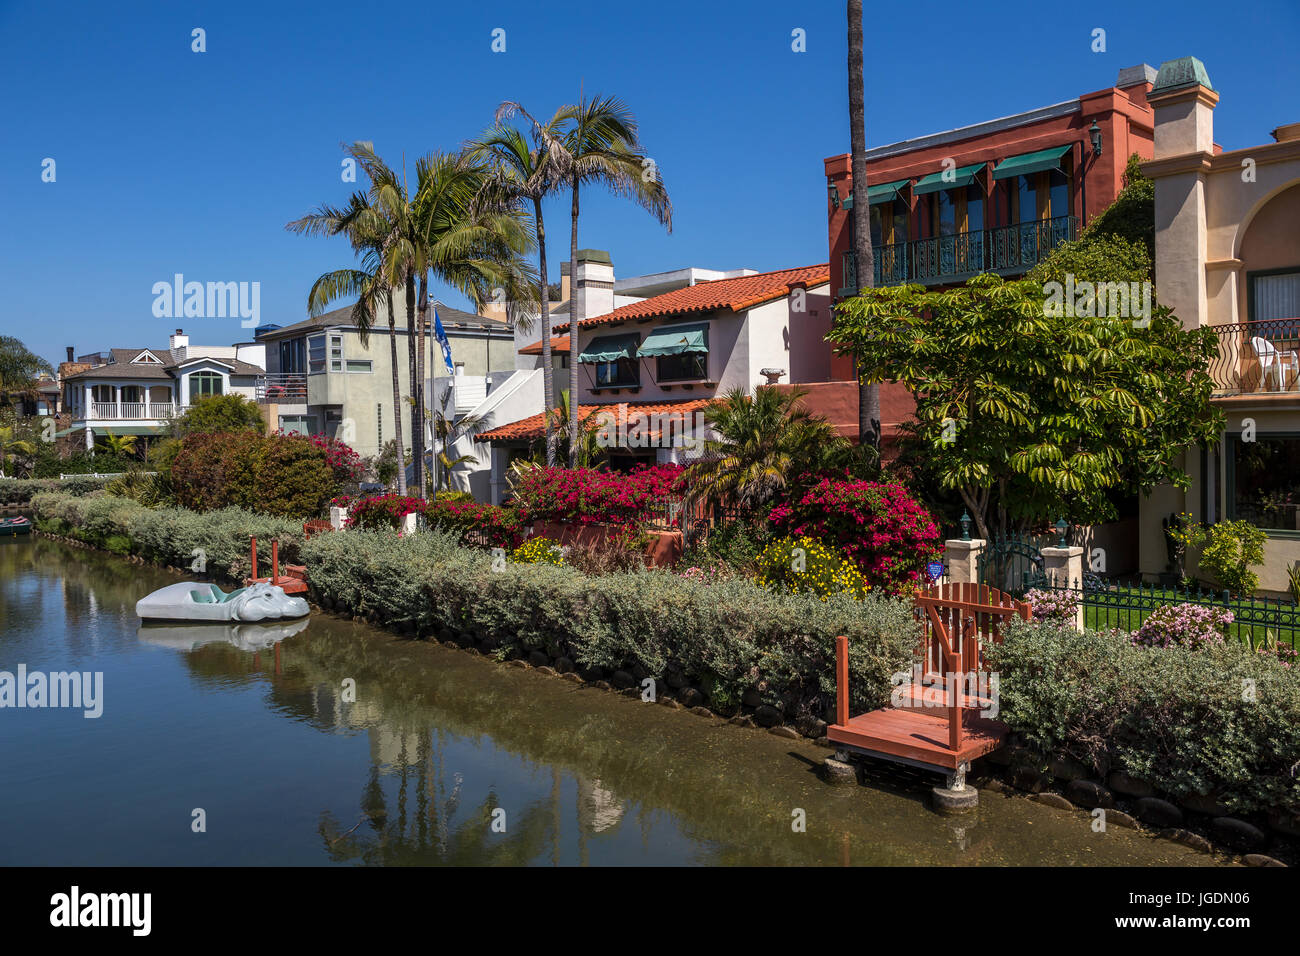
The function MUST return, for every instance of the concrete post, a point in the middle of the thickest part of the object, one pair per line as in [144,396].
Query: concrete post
[1063,568]
[338,518]
[963,559]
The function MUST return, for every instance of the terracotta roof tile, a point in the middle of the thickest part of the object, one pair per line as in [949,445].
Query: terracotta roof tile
[743,292]
[534,426]
[559,343]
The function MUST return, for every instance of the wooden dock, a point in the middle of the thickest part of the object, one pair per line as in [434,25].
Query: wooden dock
[293,581]
[938,723]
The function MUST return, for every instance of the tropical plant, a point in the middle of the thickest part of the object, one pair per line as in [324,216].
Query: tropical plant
[1028,413]
[12,444]
[764,443]
[383,511]
[117,445]
[595,142]
[1293,581]
[19,368]
[863,254]
[1231,548]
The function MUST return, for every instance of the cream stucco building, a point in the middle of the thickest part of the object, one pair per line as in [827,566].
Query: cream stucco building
[1228,257]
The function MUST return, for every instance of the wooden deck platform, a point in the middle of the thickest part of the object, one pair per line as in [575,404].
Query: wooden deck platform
[294,581]
[919,736]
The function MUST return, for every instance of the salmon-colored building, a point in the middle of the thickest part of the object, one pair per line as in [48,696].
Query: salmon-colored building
[996,197]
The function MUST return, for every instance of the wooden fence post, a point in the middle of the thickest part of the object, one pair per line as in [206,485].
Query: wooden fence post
[841,680]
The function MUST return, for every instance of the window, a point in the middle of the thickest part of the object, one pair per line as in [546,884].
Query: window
[298,424]
[684,367]
[974,208]
[360,365]
[1275,296]
[1058,193]
[316,354]
[625,372]
[1264,481]
[293,356]
[946,211]
[1027,197]
[336,351]
[203,384]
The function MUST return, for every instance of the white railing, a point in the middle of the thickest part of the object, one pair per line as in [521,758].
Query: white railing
[102,474]
[160,409]
[132,410]
[138,411]
[103,410]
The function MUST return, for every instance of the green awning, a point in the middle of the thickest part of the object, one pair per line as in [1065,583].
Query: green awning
[885,192]
[961,176]
[676,340]
[609,348]
[1027,163]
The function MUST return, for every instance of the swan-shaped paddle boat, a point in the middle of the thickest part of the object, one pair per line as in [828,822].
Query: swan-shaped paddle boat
[205,603]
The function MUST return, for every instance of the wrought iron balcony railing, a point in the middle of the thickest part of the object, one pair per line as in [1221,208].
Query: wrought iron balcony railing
[1257,358]
[1005,250]
[282,387]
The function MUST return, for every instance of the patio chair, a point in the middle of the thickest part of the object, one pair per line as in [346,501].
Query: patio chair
[1270,357]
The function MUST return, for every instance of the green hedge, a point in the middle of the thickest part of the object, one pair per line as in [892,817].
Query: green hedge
[725,638]
[19,491]
[1182,720]
[169,535]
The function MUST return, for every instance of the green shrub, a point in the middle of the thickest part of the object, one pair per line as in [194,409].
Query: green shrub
[804,565]
[726,637]
[1231,548]
[278,474]
[19,491]
[1217,720]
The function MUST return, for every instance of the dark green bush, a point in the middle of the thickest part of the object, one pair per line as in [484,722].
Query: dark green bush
[283,475]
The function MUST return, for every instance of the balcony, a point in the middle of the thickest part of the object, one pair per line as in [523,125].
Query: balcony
[134,411]
[1004,250]
[1257,359]
[276,387]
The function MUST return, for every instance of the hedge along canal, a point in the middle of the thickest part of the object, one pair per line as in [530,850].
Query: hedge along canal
[288,771]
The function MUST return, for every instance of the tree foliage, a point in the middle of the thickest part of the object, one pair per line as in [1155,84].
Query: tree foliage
[1030,415]
[222,413]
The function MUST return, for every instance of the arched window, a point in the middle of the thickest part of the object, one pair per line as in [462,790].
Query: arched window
[203,384]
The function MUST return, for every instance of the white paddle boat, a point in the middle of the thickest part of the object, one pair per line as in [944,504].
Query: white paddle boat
[247,637]
[204,603]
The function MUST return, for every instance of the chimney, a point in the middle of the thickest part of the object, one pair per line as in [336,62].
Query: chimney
[1134,75]
[564,282]
[69,353]
[179,341]
[596,279]
[1183,101]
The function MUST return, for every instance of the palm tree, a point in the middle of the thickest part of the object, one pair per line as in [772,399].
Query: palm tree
[367,230]
[19,369]
[117,444]
[597,143]
[863,255]
[764,442]
[528,174]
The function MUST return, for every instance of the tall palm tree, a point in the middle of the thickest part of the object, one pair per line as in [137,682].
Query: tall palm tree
[597,143]
[764,441]
[863,254]
[528,174]
[368,232]
[10,443]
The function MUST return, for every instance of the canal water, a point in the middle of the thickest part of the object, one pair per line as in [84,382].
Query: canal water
[441,758]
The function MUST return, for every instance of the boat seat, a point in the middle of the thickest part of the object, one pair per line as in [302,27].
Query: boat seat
[203,597]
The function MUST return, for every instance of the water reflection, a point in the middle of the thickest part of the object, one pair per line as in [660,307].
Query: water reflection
[247,637]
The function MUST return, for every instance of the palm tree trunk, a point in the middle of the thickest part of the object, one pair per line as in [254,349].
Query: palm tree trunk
[417,438]
[397,399]
[422,318]
[577,299]
[868,395]
[548,373]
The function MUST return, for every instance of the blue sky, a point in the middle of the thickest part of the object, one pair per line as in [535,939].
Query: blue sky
[173,161]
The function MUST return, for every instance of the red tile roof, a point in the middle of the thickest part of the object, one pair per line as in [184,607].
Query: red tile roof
[737,294]
[534,426]
[559,343]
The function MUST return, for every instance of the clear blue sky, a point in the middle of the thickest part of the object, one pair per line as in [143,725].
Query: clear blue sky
[172,161]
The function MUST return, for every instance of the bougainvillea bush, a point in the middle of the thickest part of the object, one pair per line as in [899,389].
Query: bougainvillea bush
[1184,625]
[878,525]
[383,511]
[592,496]
[489,525]
[347,464]
[279,474]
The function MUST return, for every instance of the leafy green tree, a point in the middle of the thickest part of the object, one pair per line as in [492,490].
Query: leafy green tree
[222,413]
[1029,414]
[13,444]
[19,368]
[1231,548]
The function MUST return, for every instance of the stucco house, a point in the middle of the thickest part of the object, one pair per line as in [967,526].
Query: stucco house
[652,366]
[136,391]
[1228,257]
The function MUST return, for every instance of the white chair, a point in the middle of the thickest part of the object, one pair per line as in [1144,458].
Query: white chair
[1270,357]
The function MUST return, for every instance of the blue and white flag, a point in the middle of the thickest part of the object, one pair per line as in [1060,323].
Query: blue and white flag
[441,336]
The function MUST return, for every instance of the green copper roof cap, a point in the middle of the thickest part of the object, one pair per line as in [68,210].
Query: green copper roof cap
[1179,74]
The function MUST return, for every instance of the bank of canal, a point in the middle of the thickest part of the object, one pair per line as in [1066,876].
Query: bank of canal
[287,770]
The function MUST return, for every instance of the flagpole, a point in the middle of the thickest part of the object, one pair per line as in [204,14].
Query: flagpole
[437,405]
